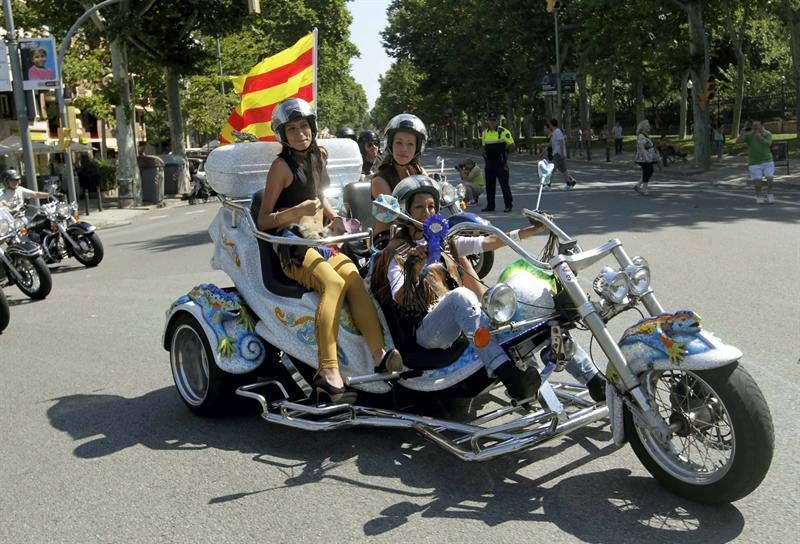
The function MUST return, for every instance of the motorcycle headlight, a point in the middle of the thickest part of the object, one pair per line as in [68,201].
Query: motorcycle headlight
[20,223]
[335,198]
[63,210]
[461,191]
[500,303]
[611,284]
[638,276]
[73,208]
[448,194]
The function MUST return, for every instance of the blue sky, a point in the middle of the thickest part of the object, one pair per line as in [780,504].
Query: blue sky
[369,18]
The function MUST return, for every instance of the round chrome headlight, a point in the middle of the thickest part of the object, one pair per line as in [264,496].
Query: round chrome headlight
[500,303]
[638,276]
[63,209]
[611,284]
[448,194]
[461,191]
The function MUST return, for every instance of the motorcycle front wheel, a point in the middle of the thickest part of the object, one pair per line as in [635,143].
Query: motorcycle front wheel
[36,281]
[5,311]
[90,251]
[722,436]
[482,263]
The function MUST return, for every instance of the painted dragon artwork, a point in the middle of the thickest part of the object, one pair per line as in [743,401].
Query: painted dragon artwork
[240,350]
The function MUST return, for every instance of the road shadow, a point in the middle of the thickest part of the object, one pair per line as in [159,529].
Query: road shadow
[171,242]
[65,268]
[13,301]
[608,506]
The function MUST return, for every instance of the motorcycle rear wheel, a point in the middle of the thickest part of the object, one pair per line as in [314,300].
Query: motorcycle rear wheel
[722,442]
[36,279]
[5,311]
[94,249]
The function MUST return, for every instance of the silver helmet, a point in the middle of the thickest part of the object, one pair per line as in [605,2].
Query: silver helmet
[292,110]
[405,122]
[412,185]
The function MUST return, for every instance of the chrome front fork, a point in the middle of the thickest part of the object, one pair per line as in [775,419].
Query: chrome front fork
[607,343]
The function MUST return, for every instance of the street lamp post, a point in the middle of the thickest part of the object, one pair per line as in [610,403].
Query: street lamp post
[19,99]
[62,107]
[558,72]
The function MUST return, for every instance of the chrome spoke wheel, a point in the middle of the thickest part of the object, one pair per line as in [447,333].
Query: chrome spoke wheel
[189,364]
[703,444]
[30,278]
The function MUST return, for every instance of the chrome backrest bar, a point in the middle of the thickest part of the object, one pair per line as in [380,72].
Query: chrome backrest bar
[243,211]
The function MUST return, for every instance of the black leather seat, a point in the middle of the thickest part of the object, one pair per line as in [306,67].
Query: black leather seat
[274,279]
[358,198]
[415,356]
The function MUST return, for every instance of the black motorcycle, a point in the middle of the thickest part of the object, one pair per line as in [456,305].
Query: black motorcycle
[21,259]
[57,227]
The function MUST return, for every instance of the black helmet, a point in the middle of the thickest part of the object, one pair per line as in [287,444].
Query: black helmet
[292,110]
[368,136]
[10,174]
[405,122]
[410,186]
[491,116]
[346,132]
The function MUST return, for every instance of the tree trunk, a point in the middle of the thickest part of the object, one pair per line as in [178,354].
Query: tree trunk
[176,134]
[128,178]
[699,63]
[610,104]
[583,101]
[737,40]
[103,145]
[793,21]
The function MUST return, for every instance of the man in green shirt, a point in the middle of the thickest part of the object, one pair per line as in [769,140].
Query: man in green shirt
[759,158]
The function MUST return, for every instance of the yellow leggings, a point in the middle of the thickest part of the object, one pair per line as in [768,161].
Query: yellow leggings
[334,280]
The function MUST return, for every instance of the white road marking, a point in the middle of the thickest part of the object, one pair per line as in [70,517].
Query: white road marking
[198,211]
[750,196]
[159,216]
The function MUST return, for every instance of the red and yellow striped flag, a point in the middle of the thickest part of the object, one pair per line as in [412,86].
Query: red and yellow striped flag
[288,74]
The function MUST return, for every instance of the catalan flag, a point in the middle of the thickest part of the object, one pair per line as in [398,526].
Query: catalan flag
[288,74]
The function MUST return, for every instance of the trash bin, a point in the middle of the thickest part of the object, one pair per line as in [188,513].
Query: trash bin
[173,173]
[152,170]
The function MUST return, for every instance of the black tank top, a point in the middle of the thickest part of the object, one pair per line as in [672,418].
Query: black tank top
[303,186]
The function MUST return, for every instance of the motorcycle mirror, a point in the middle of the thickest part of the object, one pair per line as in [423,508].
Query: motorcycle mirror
[386,209]
[545,168]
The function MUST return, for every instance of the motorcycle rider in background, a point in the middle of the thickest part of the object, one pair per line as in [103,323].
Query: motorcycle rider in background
[368,144]
[14,195]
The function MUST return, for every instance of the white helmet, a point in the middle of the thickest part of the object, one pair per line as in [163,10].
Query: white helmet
[405,122]
[410,186]
[292,110]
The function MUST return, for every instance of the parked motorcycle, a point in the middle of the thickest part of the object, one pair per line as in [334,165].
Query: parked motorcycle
[57,227]
[693,415]
[22,259]
[200,188]
[5,311]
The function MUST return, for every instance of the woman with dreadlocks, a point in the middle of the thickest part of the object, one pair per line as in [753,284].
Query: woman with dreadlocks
[433,305]
[293,196]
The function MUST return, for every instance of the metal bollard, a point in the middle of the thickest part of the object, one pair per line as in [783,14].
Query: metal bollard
[86,202]
[99,200]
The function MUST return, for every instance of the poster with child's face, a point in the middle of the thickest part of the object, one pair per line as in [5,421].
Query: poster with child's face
[39,72]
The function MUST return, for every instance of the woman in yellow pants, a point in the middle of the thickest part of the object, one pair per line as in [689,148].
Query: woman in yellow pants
[293,189]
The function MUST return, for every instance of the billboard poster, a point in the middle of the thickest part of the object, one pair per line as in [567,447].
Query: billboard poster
[39,71]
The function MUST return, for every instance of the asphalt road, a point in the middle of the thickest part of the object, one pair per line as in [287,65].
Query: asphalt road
[97,446]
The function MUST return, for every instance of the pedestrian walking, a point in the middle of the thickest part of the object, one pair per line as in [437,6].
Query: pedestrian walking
[617,131]
[578,143]
[559,149]
[645,156]
[587,136]
[497,142]
[759,158]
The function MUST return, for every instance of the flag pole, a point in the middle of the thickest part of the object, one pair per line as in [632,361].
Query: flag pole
[314,56]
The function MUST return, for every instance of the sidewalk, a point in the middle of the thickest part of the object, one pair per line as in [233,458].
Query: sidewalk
[114,216]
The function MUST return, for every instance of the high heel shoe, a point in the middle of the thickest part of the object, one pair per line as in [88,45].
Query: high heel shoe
[332,394]
[392,361]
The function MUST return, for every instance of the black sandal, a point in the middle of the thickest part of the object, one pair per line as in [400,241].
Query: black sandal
[334,395]
[392,362]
